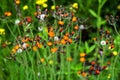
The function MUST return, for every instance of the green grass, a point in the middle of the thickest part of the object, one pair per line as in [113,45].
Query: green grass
[26,55]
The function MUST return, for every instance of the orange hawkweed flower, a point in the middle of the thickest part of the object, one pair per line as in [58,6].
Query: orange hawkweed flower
[65,38]
[37,13]
[34,48]
[69,59]
[51,34]
[65,15]
[76,27]
[82,54]
[93,63]
[7,14]
[49,43]
[67,34]
[42,60]
[94,39]
[82,59]
[84,74]
[14,51]
[38,45]
[17,47]
[29,19]
[72,32]
[61,23]
[97,72]
[24,40]
[17,2]
[63,41]
[70,40]
[78,72]
[53,50]
[74,19]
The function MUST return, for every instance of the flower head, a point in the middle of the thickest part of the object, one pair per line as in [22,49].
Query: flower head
[17,21]
[45,5]
[41,2]
[53,50]
[103,42]
[75,5]
[25,7]
[115,53]
[2,31]
[53,7]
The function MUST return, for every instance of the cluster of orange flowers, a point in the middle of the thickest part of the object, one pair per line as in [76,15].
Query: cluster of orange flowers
[26,43]
[82,57]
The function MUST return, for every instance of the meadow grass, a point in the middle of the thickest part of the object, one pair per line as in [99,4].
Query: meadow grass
[42,42]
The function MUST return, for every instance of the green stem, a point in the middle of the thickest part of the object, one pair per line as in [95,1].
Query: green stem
[114,25]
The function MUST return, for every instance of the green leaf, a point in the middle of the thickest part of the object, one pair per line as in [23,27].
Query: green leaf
[93,13]
[99,1]
[91,48]
[103,22]
[86,47]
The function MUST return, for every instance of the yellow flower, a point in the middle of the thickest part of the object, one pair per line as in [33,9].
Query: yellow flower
[118,7]
[75,5]
[115,53]
[2,31]
[45,5]
[109,75]
[53,7]
[51,62]
[25,7]
[41,2]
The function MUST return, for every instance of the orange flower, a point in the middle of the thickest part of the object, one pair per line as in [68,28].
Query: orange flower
[63,41]
[74,19]
[38,45]
[51,29]
[97,72]
[65,38]
[69,59]
[24,40]
[94,38]
[17,47]
[82,54]
[14,51]
[70,40]
[78,72]
[53,50]
[8,14]
[37,13]
[73,32]
[42,60]
[61,23]
[34,48]
[76,27]
[84,74]
[65,15]
[17,2]
[93,63]
[82,59]
[51,34]
[67,34]
[49,43]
